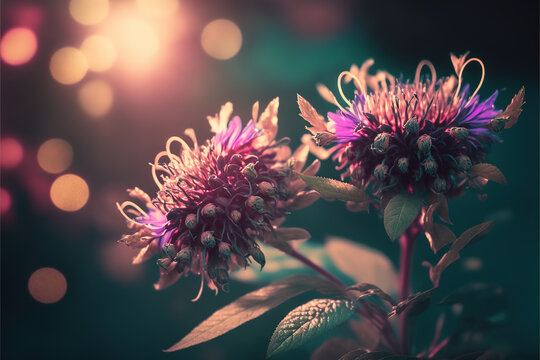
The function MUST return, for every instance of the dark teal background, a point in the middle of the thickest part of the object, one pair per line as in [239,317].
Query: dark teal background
[288,47]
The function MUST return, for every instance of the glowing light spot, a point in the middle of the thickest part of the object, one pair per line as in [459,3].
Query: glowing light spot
[158,8]
[55,155]
[137,41]
[47,285]
[69,192]
[11,153]
[5,201]
[89,12]
[99,52]
[472,264]
[96,98]
[68,65]
[221,39]
[18,46]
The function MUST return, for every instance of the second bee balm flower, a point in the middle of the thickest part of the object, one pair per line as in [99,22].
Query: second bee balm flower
[216,201]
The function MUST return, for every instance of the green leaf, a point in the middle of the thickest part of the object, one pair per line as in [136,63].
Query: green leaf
[439,236]
[335,190]
[280,237]
[362,263]
[249,307]
[414,304]
[308,321]
[488,171]
[400,213]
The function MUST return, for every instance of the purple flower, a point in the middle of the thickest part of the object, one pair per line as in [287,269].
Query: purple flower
[418,136]
[216,201]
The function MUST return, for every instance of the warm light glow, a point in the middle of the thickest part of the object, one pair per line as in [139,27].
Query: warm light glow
[137,42]
[69,192]
[11,152]
[89,12]
[18,46]
[221,39]
[99,51]
[158,8]
[47,285]
[5,201]
[55,155]
[68,65]
[96,98]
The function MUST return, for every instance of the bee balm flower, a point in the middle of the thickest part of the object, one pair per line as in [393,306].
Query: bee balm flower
[419,135]
[216,201]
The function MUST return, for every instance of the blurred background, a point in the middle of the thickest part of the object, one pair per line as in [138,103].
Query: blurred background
[92,89]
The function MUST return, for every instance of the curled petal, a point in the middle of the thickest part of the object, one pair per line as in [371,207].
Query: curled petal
[313,168]
[268,121]
[146,252]
[167,277]
[218,123]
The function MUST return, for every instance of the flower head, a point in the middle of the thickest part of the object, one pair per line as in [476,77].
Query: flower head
[216,201]
[423,135]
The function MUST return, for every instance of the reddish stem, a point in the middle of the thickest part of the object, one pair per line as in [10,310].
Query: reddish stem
[407,245]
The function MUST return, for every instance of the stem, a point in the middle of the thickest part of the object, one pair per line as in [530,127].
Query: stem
[407,244]
[317,268]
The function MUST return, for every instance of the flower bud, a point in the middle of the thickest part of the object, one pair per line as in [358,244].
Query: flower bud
[464,163]
[256,203]
[497,125]
[323,138]
[403,164]
[411,126]
[430,166]
[257,255]
[381,143]
[184,256]
[169,250]
[236,215]
[164,263]
[459,133]
[191,221]
[209,210]
[267,188]
[249,171]
[224,249]
[380,172]
[424,144]
[208,239]
[439,185]
[236,159]
[214,181]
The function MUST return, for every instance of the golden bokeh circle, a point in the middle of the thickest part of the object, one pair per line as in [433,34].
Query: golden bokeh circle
[96,98]
[221,39]
[68,65]
[99,51]
[18,46]
[69,192]
[89,12]
[47,285]
[55,156]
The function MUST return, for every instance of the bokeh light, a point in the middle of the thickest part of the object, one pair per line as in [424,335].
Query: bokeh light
[47,285]
[99,51]
[221,39]
[18,46]
[69,192]
[89,12]
[11,152]
[96,98]
[55,155]
[5,201]
[158,8]
[137,42]
[68,65]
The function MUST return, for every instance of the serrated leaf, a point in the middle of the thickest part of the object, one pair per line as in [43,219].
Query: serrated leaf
[513,110]
[400,213]
[308,321]
[488,171]
[362,263]
[308,113]
[249,307]
[452,255]
[335,190]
